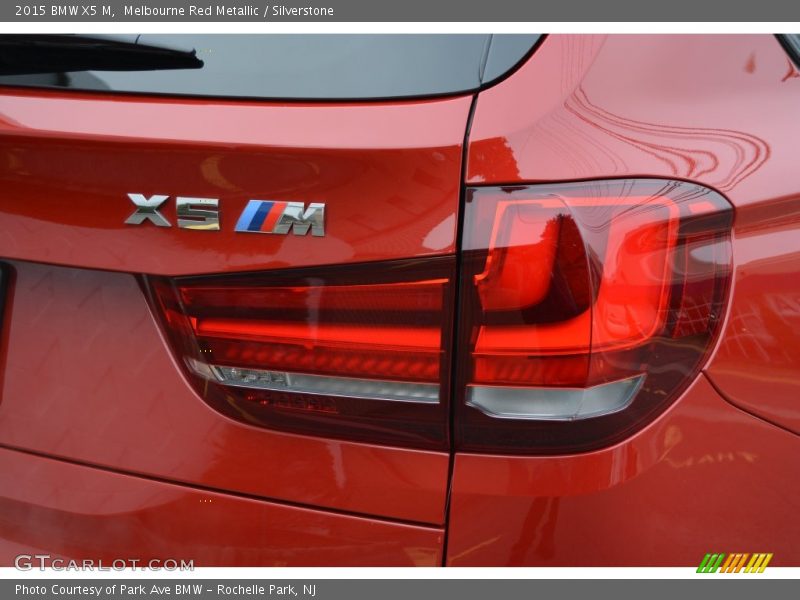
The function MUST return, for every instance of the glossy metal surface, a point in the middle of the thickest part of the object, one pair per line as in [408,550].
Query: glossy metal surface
[88,377]
[275,216]
[74,512]
[388,174]
[299,219]
[704,476]
[197,213]
[147,210]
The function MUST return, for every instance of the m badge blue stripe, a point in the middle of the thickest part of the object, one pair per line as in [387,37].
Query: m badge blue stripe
[253,215]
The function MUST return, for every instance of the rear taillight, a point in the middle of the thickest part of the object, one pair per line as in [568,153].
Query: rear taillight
[353,351]
[585,309]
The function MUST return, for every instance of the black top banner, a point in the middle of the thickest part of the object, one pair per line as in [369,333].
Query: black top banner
[399,11]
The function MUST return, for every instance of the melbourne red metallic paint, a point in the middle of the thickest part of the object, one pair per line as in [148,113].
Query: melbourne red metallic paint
[715,109]
[704,477]
[388,172]
[88,377]
[757,364]
[721,111]
[72,511]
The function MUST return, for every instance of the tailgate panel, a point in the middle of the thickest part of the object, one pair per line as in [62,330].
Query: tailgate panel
[388,173]
[88,376]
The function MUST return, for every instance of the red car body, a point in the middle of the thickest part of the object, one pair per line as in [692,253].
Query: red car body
[107,451]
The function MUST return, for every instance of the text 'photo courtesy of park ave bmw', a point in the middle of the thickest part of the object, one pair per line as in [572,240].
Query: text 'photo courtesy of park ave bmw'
[451,299]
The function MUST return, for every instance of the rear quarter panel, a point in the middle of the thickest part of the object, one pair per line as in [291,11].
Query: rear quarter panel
[706,476]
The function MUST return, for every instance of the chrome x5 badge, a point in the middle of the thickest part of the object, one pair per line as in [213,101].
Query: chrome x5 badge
[258,216]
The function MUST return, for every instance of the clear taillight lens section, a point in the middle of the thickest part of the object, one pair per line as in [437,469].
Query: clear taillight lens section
[349,351]
[586,309]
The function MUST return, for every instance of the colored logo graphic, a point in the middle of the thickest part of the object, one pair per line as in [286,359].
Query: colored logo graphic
[260,215]
[734,563]
[272,216]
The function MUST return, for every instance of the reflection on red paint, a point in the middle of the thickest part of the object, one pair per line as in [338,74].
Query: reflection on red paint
[682,106]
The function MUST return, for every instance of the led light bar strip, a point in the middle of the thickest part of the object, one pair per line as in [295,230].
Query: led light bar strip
[366,389]
[553,404]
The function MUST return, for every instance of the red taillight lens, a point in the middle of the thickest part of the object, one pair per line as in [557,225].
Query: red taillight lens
[350,351]
[586,309]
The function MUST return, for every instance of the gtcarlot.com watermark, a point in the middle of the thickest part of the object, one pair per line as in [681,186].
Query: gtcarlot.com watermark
[29,562]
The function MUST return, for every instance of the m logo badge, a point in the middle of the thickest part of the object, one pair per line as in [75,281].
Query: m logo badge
[272,216]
